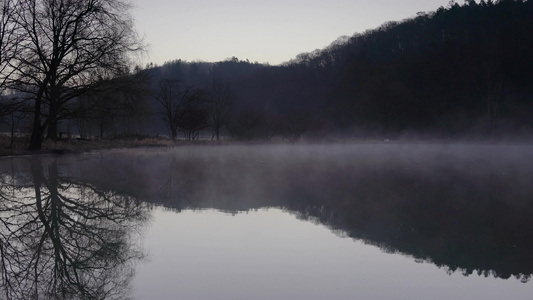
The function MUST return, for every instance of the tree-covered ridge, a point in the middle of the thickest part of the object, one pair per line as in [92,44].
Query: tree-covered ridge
[454,69]
[459,70]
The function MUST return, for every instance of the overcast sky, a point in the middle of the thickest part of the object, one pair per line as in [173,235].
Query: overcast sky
[272,31]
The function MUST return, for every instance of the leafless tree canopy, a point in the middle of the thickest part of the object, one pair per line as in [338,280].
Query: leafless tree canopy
[8,38]
[65,48]
[182,108]
[170,96]
[220,101]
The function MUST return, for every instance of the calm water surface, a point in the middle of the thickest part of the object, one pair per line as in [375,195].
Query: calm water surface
[270,254]
[379,221]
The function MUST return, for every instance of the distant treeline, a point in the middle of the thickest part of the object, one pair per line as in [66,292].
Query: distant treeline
[459,71]
[463,69]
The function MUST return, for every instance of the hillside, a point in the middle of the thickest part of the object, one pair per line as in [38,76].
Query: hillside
[464,69]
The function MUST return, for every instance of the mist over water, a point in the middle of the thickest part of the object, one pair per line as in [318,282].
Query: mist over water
[462,209]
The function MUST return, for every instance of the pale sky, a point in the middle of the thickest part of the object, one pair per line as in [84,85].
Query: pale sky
[272,31]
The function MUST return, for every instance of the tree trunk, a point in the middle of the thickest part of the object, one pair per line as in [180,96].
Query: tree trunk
[13,126]
[36,139]
[174,134]
[52,128]
[52,122]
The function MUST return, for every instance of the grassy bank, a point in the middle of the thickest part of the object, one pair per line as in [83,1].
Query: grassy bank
[19,145]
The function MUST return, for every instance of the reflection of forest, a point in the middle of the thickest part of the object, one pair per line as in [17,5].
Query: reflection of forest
[63,239]
[463,208]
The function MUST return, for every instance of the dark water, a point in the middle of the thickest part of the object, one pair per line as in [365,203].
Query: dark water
[270,222]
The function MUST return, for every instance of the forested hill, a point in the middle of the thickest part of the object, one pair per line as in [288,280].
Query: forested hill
[463,69]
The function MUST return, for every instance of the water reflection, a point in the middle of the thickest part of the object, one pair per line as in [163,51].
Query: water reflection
[66,222]
[61,238]
[465,208]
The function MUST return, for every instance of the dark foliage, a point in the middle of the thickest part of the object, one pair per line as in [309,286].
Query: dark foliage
[459,70]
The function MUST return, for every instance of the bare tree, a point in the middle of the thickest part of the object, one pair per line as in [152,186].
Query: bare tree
[9,38]
[13,112]
[122,98]
[69,47]
[193,114]
[219,101]
[12,108]
[171,97]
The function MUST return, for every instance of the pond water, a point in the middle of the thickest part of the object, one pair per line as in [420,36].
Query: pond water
[355,221]
[270,254]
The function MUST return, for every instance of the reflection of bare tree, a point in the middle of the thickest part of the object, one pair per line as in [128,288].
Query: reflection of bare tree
[62,239]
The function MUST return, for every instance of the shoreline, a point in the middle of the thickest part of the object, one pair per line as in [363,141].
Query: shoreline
[74,146]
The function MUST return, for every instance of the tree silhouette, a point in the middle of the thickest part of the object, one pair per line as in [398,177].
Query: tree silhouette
[9,38]
[172,98]
[219,102]
[68,46]
[112,105]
